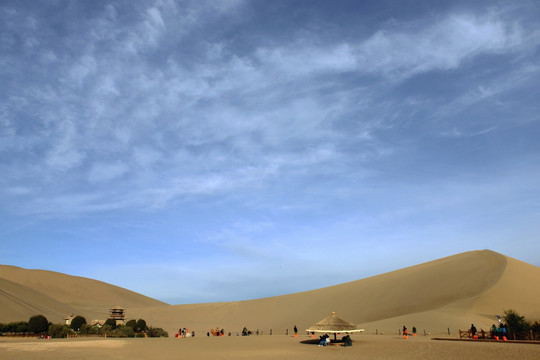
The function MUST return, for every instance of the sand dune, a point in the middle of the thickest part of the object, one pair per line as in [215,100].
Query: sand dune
[57,295]
[447,293]
[441,294]
[19,302]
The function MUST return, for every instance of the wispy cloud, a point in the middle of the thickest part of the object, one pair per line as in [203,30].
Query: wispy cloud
[263,111]
[234,124]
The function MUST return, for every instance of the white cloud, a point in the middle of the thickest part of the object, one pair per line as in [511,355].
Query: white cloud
[18,190]
[443,45]
[146,156]
[104,172]
[394,53]
[299,60]
[492,92]
[82,69]
[65,153]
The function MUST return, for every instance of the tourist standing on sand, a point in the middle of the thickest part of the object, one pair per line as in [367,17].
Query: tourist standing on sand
[414,331]
[295,330]
[473,330]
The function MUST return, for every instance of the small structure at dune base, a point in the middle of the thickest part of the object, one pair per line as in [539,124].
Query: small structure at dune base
[334,325]
[97,323]
[67,319]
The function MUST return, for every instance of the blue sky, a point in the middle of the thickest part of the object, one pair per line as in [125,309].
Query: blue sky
[199,151]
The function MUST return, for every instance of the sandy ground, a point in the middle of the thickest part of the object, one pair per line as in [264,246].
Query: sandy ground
[260,348]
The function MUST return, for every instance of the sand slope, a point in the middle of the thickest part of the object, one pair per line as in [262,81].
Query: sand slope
[27,292]
[19,302]
[447,293]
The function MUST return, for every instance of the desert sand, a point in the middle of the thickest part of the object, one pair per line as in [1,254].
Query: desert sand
[262,347]
[437,297]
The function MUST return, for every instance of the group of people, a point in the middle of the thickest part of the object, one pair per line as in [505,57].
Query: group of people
[183,333]
[216,332]
[325,340]
[498,332]
[221,332]
[495,332]
[406,331]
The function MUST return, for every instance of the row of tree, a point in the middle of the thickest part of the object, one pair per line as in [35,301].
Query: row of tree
[39,325]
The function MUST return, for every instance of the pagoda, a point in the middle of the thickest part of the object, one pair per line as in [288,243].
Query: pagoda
[118,314]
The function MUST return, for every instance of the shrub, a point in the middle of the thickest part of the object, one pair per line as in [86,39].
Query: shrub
[157,332]
[516,324]
[38,324]
[106,329]
[87,329]
[123,332]
[59,330]
[77,322]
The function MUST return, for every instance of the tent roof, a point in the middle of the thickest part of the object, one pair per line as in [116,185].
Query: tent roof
[334,324]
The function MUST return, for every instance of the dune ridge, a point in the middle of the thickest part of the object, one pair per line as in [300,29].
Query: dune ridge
[446,293]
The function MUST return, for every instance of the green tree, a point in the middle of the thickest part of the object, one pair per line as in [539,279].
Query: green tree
[59,330]
[106,329]
[86,329]
[141,325]
[111,323]
[38,324]
[132,323]
[90,329]
[77,322]
[516,324]
[17,327]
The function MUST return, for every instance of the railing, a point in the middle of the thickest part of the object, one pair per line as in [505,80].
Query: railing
[22,335]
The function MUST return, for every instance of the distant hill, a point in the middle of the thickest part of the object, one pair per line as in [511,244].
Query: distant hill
[451,292]
[24,293]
